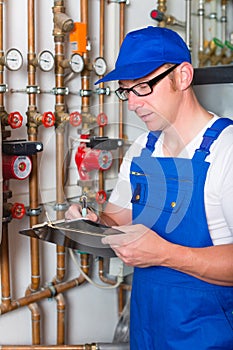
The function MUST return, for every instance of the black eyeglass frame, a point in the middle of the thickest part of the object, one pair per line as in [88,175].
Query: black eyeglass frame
[151,83]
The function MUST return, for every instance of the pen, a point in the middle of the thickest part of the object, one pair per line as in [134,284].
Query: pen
[84,205]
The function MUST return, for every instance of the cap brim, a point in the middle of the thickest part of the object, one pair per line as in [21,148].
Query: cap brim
[131,72]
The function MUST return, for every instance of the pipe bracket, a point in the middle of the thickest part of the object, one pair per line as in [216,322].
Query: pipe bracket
[85,93]
[52,290]
[200,12]
[32,89]
[223,19]
[34,211]
[119,1]
[103,91]
[7,219]
[3,88]
[60,91]
[61,206]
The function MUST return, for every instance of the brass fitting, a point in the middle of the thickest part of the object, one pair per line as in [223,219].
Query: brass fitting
[62,22]
[61,118]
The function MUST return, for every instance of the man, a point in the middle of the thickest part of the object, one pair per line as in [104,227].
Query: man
[173,201]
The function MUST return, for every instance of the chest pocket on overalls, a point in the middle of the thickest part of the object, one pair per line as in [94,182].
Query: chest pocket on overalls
[165,196]
[159,203]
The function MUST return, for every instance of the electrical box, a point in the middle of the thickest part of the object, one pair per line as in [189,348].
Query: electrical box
[78,38]
[118,268]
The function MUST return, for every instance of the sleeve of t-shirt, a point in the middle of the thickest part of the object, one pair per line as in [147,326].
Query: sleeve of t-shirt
[219,199]
[122,194]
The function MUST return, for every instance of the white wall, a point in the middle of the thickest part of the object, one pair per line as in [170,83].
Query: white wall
[91,312]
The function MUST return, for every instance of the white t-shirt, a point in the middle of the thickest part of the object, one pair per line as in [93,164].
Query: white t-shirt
[218,191]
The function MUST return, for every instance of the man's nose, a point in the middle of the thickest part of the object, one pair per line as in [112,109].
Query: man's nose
[134,101]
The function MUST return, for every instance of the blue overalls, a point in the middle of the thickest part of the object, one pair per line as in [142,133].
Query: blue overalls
[171,310]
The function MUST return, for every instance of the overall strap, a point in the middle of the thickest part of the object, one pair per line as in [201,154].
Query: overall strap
[151,140]
[211,134]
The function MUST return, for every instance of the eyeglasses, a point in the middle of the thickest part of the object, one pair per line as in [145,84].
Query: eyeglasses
[143,89]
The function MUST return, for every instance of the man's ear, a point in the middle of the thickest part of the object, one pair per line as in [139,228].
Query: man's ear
[185,75]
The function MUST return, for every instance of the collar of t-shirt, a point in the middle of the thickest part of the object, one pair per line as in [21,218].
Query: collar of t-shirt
[189,149]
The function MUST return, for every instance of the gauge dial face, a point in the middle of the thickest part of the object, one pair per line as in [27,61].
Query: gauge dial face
[46,60]
[100,66]
[14,59]
[105,160]
[76,63]
[22,167]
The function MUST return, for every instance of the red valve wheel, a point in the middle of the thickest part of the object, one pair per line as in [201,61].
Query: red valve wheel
[18,211]
[75,118]
[15,120]
[101,197]
[102,119]
[48,119]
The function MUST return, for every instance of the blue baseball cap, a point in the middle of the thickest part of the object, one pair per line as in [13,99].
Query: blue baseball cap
[145,50]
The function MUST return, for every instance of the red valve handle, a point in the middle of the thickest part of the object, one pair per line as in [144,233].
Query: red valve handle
[101,197]
[48,119]
[75,118]
[18,211]
[102,119]
[15,120]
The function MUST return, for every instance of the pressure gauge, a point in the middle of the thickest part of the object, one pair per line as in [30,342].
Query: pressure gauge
[100,66]
[13,59]
[16,167]
[105,159]
[76,63]
[46,60]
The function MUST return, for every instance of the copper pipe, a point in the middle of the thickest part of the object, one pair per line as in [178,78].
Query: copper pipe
[33,179]
[101,54]
[85,75]
[60,197]
[102,277]
[61,305]
[84,11]
[35,314]
[48,292]
[32,136]
[101,96]
[122,34]
[5,269]
[102,20]
[31,49]
[4,244]
[85,265]
[60,26]
[35,317]
[1,55]
[60,21]
[48,347]
[121,302]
